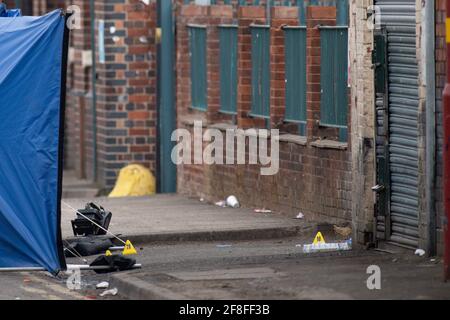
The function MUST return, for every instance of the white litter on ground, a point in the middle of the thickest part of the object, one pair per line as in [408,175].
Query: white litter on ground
[263,211]
[233,202]
[103,285]
[420,252]
[221,204]
[112,292]
[300,216]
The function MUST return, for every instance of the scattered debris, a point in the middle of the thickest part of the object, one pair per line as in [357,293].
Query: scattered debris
[112,292]
[320,245]
[300,216]
[102,285]
[93,220]
[87,246]
[420,252]
[263,211]
[114,263]
[343,232]
[221,204]
[233,202]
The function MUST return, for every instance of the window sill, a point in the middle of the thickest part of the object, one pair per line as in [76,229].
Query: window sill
[190,121]
[292,138]
[223,126]
[257,133]
[200,109]
[329,144]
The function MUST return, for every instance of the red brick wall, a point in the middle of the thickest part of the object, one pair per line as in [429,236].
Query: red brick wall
[79,138]
[440,83]
[314,177]
[281,16]
[126,88]
[126,92]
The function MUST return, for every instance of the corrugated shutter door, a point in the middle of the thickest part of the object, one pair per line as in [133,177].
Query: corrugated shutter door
[399,17]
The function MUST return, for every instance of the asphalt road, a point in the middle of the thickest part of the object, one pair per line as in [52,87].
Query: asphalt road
[275,269]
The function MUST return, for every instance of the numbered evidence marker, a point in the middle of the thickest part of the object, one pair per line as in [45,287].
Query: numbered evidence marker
[129,249]
[319,239]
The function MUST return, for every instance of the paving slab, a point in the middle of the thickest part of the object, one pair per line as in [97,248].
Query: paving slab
[178,218]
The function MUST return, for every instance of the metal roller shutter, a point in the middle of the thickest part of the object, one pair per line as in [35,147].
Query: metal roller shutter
[399,18]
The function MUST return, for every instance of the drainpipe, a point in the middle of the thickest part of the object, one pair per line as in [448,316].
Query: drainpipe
[446,159]
[430,125]
[94,89]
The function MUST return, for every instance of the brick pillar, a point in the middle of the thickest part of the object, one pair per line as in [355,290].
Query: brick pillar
[247,15]
[41,7]
[316,16]
[126,106]
[281,16]
[78,138]
[218,14]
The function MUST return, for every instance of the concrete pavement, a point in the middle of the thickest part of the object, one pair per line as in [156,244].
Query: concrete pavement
[177,218]
[40,286]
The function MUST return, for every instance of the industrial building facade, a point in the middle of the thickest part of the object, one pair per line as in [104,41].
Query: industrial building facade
[354,87]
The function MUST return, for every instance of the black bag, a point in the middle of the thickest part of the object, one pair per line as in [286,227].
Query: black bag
[83,227]
[114,262]
[89,246]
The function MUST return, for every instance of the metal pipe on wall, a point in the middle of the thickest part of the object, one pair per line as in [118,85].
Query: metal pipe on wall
[94,89]
[430,125]
[446,158]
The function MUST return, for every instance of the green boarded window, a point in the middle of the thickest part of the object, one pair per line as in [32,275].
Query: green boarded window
[295,55]
[228,69]
[260,72]
[334,76]
[197,36]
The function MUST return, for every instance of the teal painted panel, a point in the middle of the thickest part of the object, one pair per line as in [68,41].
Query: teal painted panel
[228,69]
[334,77]
[260,72]
[167,117]
[199,83]
[295,55]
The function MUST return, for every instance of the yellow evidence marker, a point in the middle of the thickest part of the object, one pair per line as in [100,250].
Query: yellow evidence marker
[108,253]
[129,249]
[319,239]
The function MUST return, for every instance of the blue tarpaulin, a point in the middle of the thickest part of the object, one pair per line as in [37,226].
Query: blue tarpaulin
[8,13]
[32,51]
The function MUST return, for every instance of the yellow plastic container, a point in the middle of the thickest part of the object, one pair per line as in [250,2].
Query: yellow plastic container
[134,181]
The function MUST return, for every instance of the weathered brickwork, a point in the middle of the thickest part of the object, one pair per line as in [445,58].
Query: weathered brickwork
[315,173]
[126,88]
[363,120]
[441,65]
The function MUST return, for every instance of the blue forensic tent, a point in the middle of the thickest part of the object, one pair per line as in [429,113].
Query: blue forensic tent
[8,13]
[33,55]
